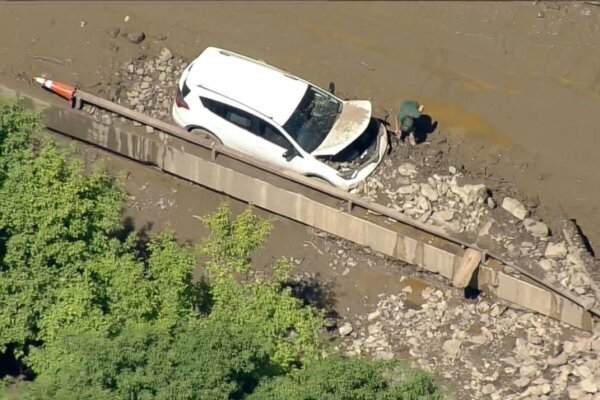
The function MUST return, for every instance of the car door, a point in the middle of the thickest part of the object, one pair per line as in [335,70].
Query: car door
[233,127]
[272,147]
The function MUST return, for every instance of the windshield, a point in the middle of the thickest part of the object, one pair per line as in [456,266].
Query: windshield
[310,123]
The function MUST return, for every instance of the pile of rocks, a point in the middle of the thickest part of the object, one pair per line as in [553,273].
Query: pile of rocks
[564,266]
[145,84]
[439,199]
[489,350]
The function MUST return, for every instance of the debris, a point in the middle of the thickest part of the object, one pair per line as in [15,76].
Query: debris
[136,37]
[469,194]
[556,251]
[49,59]
[315,247]
[515,208]
[536,228]
[165,55]
[452,347]
[113,32]
[364,64]
[345,329]
[468,264]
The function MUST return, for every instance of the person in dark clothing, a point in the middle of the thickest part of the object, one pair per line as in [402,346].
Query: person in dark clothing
[409,111]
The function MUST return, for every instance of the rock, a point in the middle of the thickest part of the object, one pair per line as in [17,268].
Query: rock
[429,192]
[422,203]
[136,37]
[528,371]
[106,119]
[575,393]
[162,77]
[479,339]
[468,194]
[536,228]
[568,346]
[407,169]
[113,32]
[373,315]
[522,382]
[452,347]
[165,55]
[345,329]
[488,389]
[547,264]
[445,215]
[406,190]
[580,279]
[521,349]
[149,129]
[491,203]
[452,169]
[515,208]
[384,355]
[556,251]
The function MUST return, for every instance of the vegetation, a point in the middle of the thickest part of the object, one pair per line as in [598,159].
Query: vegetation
[91,315]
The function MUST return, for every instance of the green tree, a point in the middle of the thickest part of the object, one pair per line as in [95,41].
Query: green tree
[349,379]
[200,360]
[287,331]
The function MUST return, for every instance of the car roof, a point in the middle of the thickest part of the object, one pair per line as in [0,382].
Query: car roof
[254,84]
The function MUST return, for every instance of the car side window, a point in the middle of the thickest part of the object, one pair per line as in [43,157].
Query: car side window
[236,116]
[270,133]
[247,121]
[215,107]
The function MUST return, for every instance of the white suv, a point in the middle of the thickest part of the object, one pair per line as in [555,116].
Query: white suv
[276,117]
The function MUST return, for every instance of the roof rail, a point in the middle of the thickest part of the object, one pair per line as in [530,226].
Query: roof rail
[236,101]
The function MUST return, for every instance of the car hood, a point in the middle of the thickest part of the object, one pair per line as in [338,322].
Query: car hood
[351,123]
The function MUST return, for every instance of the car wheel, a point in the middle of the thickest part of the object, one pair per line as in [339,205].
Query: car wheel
[206,134]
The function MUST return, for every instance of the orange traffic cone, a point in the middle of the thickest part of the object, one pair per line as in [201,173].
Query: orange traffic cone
[59,88]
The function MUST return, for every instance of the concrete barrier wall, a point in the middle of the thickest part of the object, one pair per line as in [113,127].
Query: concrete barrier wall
[190,162]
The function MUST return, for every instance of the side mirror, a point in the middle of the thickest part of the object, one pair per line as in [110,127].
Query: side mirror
[290,154]
[331,87]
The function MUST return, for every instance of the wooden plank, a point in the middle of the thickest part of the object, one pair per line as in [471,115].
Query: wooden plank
[468,264]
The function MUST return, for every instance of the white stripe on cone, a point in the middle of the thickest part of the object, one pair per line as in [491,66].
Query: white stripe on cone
[47,83]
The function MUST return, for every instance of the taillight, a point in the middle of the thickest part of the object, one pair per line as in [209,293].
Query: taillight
[179,100]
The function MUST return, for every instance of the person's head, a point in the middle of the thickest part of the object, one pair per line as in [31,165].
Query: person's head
[407,124]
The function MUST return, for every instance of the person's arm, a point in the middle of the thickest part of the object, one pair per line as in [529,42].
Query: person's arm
[397,130]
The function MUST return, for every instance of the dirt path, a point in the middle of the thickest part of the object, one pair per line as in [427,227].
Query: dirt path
[515,86]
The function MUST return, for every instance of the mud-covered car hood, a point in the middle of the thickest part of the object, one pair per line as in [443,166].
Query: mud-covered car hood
[351,123]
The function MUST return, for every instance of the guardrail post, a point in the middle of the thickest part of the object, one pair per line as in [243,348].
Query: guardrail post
[349,206]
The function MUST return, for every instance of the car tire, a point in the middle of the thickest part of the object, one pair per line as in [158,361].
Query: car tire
[206,134]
